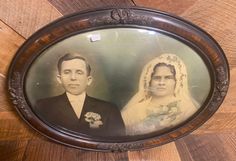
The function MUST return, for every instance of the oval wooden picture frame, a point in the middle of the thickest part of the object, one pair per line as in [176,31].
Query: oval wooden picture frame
[126,49]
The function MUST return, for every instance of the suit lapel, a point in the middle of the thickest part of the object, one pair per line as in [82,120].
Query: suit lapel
[67,113]
[87,107]
[72,122]
[80,125]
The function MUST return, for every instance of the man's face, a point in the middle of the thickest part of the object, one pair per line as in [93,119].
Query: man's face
[162,82]
[74,77]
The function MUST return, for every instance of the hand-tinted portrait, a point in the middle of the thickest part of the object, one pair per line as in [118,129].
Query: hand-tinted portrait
[97,84]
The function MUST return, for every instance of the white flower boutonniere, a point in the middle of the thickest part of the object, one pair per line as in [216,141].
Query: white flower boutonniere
[94,119]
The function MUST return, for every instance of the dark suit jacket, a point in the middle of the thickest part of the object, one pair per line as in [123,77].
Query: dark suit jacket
[57,111]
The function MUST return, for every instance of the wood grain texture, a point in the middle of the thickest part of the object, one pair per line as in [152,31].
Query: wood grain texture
[12,150]
[215,17]
[215,140]
[218,19]
[12,128]
[50,151]
[112,156]
[43,151]
[21,13]
[5,104]
[66,7]
[171,6]
[223,121]
[160,153]
[10,41]
[229,103]
[217,147]
[218,123]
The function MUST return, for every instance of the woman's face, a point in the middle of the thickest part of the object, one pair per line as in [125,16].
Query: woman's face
[162,82]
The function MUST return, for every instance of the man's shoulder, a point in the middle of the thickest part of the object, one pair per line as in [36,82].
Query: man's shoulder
[53,99]
[101,103]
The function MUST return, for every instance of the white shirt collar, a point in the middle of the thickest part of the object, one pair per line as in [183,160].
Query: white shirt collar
[77,102]
[72,97]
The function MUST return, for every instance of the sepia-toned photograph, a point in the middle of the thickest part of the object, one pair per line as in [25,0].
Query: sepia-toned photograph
[118,79]
[117,82]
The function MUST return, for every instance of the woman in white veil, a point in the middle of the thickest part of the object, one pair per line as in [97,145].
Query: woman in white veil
[163,99]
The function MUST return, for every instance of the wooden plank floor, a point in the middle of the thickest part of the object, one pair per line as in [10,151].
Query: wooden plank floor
[214,141]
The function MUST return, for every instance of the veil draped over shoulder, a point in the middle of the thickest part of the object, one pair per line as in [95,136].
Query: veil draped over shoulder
[140,117]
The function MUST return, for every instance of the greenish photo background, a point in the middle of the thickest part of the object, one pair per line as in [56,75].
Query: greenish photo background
[117,57]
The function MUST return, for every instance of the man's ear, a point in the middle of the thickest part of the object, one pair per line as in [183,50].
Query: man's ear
[90,80]
[59,78]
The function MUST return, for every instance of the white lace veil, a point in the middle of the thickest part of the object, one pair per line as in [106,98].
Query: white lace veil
[133,111]
[181,88]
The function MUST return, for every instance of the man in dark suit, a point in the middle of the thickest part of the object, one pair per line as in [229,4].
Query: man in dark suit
[74,110]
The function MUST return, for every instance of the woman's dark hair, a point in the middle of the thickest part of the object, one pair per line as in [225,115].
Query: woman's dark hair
[171,67]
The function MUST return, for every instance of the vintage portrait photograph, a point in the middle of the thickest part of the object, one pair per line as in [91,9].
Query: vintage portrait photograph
[117,82]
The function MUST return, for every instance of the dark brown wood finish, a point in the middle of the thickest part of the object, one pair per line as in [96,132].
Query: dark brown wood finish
[206,147]
[191,35]
[216,17]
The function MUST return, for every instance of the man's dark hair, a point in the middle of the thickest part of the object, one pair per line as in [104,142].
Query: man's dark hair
[71,56]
